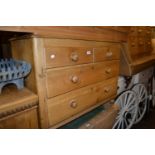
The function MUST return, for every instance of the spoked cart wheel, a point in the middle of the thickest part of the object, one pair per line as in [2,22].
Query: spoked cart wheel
[127,101]
[141,92]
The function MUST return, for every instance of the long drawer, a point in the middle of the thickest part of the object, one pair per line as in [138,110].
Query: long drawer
[66,56]
[67,105]
[63,80]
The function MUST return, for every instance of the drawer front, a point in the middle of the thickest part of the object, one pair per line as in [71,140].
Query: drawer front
[148,31]
[62,80]
[107,53]
[65,56]
[133,46]
[141,45]
[148,46]
[133,31]
[67,105]
[141,30]
[27,119]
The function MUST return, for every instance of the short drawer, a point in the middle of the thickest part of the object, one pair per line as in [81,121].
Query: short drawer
[137,31]
[133,46]
[63,80]
[67,105]
[66,56]
[148,46]
[148,31]
[141,30]
[107,53]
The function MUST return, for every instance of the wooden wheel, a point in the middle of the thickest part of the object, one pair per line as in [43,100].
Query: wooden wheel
[141,92]
[127,101]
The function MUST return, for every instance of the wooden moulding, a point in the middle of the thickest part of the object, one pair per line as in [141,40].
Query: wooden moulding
[98,33]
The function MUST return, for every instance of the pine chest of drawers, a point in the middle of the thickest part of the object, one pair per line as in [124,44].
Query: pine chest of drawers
[71,77]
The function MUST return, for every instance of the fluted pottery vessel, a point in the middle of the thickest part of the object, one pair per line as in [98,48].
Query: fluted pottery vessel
[13,72]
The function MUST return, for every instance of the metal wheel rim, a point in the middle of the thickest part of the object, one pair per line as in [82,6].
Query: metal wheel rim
[127,103]
[141,92]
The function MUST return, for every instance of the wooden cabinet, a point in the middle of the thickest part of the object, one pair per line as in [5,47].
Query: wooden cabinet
[139,41]
[72,76]
[137,53]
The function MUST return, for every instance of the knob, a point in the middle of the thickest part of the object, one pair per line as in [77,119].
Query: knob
[108,70]
[106,90]
[75,79]
[109,54]
[73,104]
[74,57]
[139,30]
[149,43]
[133,44]
[141,43]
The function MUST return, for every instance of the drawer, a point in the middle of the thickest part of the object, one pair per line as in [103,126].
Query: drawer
[137,31]
[62,80]
[67,105]
[65,56]
[141,30]
[133,31]
[133,46]
[107,53]
[148,31]
[141,45]
[27,119]
[148,46]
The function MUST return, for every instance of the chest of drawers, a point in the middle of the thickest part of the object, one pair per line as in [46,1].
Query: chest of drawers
[71,77]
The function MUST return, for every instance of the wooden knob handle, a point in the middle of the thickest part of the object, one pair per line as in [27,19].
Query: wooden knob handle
[133,44]
[108,70]
[74,57]
[141,43]
[106,90]
[73,104]
[109,54]
[139,30]
[149,43]
[75,79]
